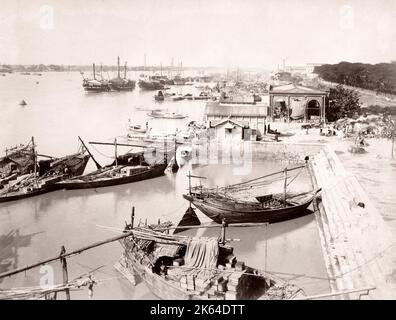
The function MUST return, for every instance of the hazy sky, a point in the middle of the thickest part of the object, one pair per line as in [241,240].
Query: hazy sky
[249,33]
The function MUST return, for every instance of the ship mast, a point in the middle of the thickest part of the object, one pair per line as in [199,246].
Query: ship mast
[118,66]
[125,70]
[285,186]
[35,160]
[93,67]
[115,151]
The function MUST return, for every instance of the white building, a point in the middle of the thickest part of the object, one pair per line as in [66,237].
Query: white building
[229,130]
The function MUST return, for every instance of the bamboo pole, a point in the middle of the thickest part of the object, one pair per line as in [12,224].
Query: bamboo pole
[64,272]
[121,144]
[116,238]
[368,289]
[285,186]
[98,166]
[64,255]
[115,151]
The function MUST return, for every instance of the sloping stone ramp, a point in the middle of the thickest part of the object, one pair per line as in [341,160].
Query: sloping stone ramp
[357,245]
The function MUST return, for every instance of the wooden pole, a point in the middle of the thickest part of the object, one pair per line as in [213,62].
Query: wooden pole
[223,230]
[266,247]
[115,151]
[118,67]
[64,270]
[285,187]
[116,238]
[98,166]
[120,144]
[368,289]
[132,216]
[189,182]
[35,160]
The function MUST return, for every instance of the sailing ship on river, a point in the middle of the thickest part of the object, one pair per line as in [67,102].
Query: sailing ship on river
[225,203]
[119,83]
[95,85]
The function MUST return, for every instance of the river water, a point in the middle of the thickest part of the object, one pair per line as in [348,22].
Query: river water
[57,111]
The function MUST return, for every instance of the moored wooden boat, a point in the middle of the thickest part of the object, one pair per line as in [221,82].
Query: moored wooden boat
[272,208]
[126,168]
[224,203]
[121,84]
[17,161]
[46,179]
[114,175]
[178,267]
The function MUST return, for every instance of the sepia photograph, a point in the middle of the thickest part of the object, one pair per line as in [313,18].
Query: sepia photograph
[220,150]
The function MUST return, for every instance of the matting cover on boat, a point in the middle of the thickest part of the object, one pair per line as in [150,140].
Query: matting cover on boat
[202,253]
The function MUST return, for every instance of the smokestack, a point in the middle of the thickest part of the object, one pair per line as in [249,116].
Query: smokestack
[125,70]
[93,67]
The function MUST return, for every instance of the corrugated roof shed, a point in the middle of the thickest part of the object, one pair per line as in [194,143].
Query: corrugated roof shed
[214,108]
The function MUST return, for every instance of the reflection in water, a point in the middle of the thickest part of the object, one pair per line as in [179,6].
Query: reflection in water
[9,246]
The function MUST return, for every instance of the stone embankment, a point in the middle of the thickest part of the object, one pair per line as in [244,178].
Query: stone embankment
[357,244]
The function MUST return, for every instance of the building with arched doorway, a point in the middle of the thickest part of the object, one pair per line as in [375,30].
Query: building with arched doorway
[293,102]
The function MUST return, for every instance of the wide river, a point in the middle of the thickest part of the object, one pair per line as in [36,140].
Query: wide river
[57,111]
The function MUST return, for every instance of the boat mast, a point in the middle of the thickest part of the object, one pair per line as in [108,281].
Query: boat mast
[189,182]
[223,231]
[96,163]
[115,151]
[118,66]
[35,160]
[285,186]
[125,70]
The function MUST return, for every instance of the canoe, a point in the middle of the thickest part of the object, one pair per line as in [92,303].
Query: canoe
[270,208]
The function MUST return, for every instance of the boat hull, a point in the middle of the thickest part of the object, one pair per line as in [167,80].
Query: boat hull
[153,172]
[21,195]
[217,212]
[170,290]
[145,85]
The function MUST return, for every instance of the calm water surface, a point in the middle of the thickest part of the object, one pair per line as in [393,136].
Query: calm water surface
[58,111]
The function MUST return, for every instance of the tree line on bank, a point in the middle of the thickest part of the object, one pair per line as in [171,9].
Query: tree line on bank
[343,102]
[379,77]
